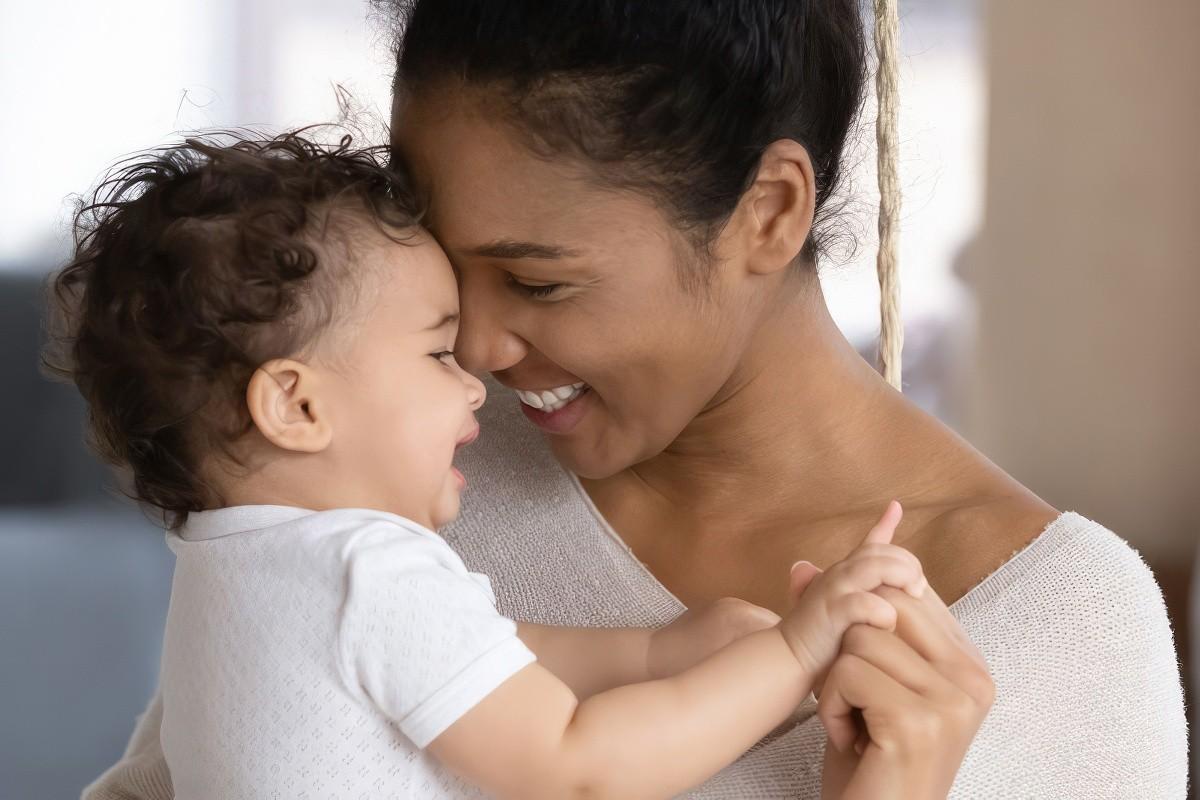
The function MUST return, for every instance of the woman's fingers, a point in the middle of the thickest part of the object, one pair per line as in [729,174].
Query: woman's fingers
[856,686]
[939,611]
[914,740]
[880,646]
[927,626]
[935,636]
[926,651]
[892,655]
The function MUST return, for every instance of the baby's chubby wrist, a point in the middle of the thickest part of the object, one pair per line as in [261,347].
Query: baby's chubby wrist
[698,633]
[809,662]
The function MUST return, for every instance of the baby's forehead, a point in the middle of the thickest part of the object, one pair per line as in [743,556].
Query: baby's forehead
[391,253]
[403,270]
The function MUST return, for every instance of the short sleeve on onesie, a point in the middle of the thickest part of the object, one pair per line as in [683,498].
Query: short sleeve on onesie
[420,636]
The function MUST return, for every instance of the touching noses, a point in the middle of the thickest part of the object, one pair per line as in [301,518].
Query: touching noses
[485,343]
[476,391]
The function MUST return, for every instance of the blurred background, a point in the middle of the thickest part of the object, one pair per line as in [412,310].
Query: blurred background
[1050,258]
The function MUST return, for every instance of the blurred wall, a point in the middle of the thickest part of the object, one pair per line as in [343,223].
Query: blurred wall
[1085,382]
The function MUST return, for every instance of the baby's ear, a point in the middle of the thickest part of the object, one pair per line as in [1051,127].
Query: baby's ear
[286,403]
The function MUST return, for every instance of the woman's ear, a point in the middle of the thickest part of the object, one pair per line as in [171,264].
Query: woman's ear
[285,401]
[777,210]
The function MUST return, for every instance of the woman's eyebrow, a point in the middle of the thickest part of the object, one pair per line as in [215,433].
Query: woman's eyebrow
[509,248]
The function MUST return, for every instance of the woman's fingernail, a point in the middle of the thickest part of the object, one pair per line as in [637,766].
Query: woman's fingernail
[798,563]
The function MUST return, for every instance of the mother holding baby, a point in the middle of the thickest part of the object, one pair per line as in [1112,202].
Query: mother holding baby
[635,197]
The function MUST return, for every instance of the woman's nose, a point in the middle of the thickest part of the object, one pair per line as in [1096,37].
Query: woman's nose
[485,343]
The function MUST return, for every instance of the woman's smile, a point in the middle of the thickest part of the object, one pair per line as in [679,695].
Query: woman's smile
[561,416]
[551,400]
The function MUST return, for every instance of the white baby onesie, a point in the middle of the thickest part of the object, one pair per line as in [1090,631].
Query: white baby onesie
[316,654]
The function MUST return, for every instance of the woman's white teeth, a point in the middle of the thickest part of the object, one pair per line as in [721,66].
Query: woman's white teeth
[551,400]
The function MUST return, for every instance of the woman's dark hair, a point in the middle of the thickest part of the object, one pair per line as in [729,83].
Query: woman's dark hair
[675,97]
[193,265]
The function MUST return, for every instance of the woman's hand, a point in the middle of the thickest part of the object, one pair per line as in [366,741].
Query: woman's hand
[902,708]
[829,603]
[697,634]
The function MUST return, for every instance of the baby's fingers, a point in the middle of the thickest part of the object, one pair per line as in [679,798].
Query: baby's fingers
[900,570]
[883,530]
[863,608]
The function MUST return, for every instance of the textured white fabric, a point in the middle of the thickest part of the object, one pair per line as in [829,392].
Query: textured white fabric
[1073,627]
[317,654]
[1088,703]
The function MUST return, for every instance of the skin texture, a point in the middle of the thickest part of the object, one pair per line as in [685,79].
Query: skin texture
[701,400]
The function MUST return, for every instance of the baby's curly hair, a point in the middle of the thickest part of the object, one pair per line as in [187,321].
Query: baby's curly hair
[193,265]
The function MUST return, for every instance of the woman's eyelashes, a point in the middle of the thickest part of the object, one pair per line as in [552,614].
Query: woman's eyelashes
[442,355]
[540,291]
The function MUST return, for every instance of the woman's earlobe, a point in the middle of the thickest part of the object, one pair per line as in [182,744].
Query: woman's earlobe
[284,398]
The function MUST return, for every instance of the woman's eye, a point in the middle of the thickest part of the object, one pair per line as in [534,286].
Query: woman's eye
[443,355]
[534,290]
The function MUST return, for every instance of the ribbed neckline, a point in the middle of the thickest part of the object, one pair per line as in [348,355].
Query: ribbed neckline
[608,529]
[1021,562]
[982,593]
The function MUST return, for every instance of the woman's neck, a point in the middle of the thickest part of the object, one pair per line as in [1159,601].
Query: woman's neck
[805,427]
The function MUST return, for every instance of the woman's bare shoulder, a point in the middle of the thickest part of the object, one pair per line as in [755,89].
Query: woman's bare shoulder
[976,536]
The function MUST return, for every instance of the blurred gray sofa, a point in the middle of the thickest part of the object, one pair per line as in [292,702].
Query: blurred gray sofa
[84,579]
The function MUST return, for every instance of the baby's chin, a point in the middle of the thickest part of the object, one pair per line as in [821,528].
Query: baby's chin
[447,510]
[442,520]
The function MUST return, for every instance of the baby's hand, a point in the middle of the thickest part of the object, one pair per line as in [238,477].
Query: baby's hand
[843,595]
[698,633]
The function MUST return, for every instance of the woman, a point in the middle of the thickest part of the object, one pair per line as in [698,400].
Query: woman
[635,197]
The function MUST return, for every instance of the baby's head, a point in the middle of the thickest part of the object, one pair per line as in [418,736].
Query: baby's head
[264,322]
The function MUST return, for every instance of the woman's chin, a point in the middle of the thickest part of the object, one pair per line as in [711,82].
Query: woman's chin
[587,460]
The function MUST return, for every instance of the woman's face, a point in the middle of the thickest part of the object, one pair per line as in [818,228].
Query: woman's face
[571,294]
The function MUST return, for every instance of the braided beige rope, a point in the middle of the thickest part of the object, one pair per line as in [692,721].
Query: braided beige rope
[891,334]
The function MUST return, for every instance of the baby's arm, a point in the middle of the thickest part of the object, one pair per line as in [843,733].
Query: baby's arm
[592,660]
[532,737]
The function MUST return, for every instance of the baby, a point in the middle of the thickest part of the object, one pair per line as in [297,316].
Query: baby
[264,335]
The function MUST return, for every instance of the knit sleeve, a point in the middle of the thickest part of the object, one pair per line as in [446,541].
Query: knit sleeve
[141,774]
[1088,696]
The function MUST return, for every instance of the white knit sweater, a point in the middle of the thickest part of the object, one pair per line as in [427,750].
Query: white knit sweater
[1073,627]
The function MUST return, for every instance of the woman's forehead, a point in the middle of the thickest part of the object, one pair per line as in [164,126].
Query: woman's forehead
[488,192]
[483,185]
